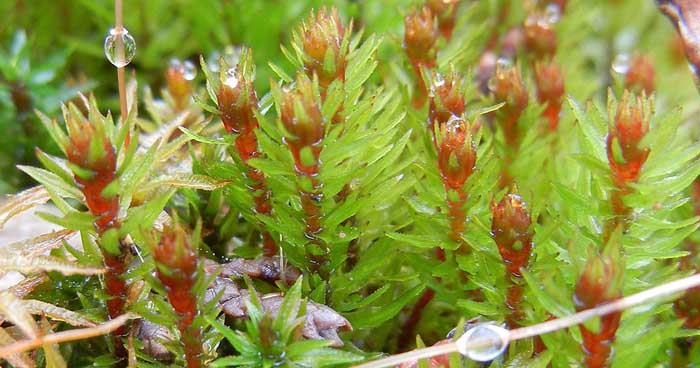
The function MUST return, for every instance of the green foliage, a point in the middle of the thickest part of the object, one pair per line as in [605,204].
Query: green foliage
[23,88]
[398,251]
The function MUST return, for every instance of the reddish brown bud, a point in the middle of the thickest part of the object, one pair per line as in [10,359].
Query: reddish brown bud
[420,36]
[600,283]
[237,102]
[179,81]
[550,91]
[175,256]
[539,36]
[322,41]
[446,11]
[629,126]
[640,75]
[93,156]
[446,99]
[510,230]
[456,153]
[176,267]
[507,86]
[301,117]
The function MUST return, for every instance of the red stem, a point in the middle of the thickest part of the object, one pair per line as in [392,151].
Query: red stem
[407,332]
[106,210]
[513,297]
[409,327]
[597,347]
[247,146]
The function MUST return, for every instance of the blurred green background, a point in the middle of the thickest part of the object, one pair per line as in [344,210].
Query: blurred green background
[51,49]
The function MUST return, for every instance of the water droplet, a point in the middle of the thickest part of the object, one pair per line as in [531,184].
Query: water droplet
[621,64]
[120,47]
[483,342]
[439,80]
[188,70]
[503,63]
[455,125]
[213,61]
[231,78]
[552,13]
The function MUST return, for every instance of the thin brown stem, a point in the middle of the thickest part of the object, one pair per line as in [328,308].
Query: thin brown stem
[653,294]
[121,79]
[65,336]
[122,92]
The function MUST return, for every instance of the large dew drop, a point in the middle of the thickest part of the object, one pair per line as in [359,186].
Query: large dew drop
[120,47]
[483,342]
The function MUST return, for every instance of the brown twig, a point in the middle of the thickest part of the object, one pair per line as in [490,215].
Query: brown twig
[65,336]
[119,26]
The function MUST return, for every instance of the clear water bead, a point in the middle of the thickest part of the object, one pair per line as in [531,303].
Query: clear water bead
[455,125]
[187,68]
[621,64]
[120,47]
[231,77]
[483,342]
[552,13]
[504,63]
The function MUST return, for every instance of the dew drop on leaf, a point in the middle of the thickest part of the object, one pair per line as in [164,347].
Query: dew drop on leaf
[120,47]
[552,13]
[186,68]
[231,78]
[504,63]
[621,64]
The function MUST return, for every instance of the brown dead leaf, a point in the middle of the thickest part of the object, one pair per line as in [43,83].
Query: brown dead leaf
[264,268]
[51,353]
[15,204]
[14,262]
[19,360]
[65,336]
[28,285]
[40,244]
[57,313]
[685,15]
[153,337]
[321,321]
